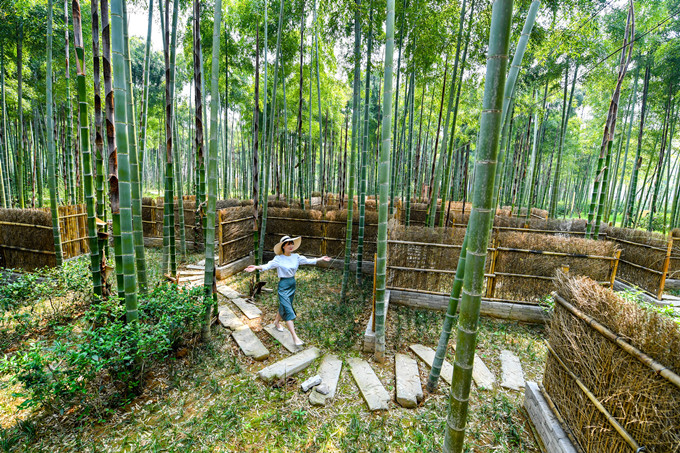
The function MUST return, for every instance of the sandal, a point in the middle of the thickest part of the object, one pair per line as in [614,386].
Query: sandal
[300,343]
[279,328]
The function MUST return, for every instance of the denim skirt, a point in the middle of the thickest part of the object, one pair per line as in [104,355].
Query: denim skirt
[286,295]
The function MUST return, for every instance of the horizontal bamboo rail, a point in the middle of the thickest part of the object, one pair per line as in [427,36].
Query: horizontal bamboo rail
[68,216]
[426,244]
[237,239]
[593,399]
[22,249]
[657,367]
[338,222]
[29,225]
[227,222]
[637,244]
[549,253]
[641,267]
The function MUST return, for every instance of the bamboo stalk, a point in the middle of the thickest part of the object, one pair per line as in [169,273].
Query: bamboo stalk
[22,249]
[555,410]
[612,421]
[657,367]
[25,225]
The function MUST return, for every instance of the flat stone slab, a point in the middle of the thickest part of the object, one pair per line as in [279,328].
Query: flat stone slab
[285,338]
[329,370]
[409,388]
[190,272]
[195,267]
[512,376]
[371,388]
[483,377]
[228,292]
[547,425]
[227,318]
[249,343]
[248,309]
[426,354]
[290,365]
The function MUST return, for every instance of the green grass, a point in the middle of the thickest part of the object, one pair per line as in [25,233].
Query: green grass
[209,399]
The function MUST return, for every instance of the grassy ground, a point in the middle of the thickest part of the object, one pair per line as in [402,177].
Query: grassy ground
[206,397]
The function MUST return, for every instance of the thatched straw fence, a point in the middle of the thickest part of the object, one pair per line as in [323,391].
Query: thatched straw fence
[26,240]
[645,258]
[612,370]
[322,234]
[234,234]
[520,267]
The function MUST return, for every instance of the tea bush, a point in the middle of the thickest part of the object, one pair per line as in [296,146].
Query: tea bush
[98,361]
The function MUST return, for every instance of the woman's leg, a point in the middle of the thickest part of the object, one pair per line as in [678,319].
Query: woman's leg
[277,320]
[291,327]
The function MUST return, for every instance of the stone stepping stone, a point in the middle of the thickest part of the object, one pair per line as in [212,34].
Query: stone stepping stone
[290,365]
[228,319]
[409,389]
[195,267]
[285,338]
[483,377]
[329,370]
[248,309]
[512,376]
[249,343]
[371,388]
[190,272]
[228,292]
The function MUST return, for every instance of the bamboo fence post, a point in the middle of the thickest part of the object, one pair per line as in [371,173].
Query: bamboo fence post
[491,281]
[375,269]
[666,262]
[220,235]
[614,268]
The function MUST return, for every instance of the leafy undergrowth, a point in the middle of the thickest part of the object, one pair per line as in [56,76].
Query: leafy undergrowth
[207,398]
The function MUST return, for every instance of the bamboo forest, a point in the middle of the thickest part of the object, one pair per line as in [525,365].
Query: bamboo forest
[340,226]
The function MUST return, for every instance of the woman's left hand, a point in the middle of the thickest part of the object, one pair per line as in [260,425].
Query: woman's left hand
[325,258]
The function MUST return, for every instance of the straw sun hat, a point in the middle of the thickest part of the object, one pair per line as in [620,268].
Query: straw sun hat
[296,243]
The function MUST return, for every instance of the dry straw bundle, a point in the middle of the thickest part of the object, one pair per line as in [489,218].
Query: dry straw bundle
[643,402]
[416,247]
[295,222]
[336,231]
[237,233]
[644,249]
[17,231]
[517,261]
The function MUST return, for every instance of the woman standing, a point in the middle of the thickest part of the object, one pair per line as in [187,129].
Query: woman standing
[287,263]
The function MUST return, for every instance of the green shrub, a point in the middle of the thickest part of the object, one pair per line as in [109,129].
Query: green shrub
[99,362]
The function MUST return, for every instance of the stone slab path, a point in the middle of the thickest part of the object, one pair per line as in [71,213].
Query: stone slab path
[285,338]
[249,343]
[195,267]
[248,309]
[371,388]
[512,376]
[329,370]
[227,318]
[409,389]
[290,365]
[483,377]
[228,292]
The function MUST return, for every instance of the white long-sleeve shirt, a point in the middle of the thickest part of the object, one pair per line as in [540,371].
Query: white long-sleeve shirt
[287,265]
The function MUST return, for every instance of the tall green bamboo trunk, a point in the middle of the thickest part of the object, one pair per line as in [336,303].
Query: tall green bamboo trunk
[51,152]
[5,132]
[409,148]
[605,149]
[353,154]
[395,154]
[124,171]
[630,203]
[112,153]
[144,111]
[619,190]
[450,109]
[133,154]
[269,144]
[479,226]
[19,149]
[662,156]
[179,192]
[533,166]
[169,54]
[563,126]
[199,135]
[209,277]
[88,179]
[256,133]
[509,91]
[364,151]
[384,177]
